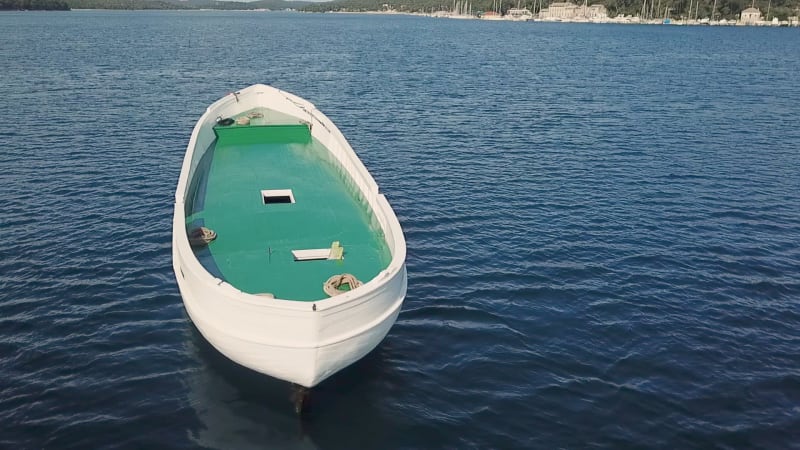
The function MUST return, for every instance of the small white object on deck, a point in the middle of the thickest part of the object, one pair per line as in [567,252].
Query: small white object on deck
[311,254]
[335,252]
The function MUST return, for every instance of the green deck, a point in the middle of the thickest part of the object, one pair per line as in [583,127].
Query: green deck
[254,241]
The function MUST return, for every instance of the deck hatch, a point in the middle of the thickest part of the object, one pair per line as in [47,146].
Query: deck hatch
[272,196]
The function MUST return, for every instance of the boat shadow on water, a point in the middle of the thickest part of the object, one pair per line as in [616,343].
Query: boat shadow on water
[241,408]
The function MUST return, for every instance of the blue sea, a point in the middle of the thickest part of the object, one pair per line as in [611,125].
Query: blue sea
[603,228]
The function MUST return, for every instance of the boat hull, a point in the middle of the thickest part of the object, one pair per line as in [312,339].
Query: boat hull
[303,342]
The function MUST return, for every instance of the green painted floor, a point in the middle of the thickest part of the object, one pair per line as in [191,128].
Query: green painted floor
[254,241]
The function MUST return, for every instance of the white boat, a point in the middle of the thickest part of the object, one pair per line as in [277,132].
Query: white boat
[491,15]
[519,15]
[292,208]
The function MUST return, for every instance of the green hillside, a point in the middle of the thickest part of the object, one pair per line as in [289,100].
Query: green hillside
[33,5]
[12,5]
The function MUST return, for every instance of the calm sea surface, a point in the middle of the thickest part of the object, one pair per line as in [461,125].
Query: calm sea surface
[603,229]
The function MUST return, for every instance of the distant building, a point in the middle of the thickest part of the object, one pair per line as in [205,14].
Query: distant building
[561,10]
[750,16]
[596,12]
[570,11]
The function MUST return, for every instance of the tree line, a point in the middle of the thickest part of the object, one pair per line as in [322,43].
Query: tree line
[63,5]
[725,9]
[122,4]
[33,5]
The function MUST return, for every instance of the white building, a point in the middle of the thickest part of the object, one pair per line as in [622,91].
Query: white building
[560,10]
[750,16]
[596,12]
[571,11]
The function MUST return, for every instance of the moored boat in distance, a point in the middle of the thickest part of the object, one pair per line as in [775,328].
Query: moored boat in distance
[491,15]
[519,15]
[494,14]
[289,259]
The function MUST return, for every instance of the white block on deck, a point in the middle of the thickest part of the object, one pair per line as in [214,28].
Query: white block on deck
[311,254]
[335,252]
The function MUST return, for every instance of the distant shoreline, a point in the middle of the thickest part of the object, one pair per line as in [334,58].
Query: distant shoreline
[621,20]
[618,20]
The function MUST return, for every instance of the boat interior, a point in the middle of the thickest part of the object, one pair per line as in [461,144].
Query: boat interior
[286,215]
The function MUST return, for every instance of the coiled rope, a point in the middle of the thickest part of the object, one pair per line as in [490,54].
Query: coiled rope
[201,236]
[331,287]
